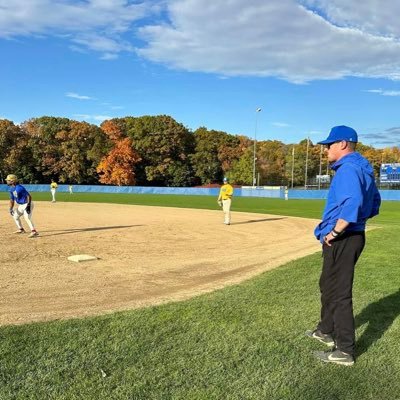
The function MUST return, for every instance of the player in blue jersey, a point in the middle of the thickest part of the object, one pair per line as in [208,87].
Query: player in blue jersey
[24,205]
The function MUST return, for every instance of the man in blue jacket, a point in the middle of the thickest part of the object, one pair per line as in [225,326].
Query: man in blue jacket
[352,199]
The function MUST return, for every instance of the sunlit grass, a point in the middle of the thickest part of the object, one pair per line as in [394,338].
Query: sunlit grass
[243,342]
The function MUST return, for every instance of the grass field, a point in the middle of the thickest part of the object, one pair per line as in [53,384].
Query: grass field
[243,342]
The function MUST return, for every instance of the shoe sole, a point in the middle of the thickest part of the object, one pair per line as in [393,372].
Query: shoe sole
[347,364]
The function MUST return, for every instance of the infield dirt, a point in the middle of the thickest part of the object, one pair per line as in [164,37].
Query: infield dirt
[147,256]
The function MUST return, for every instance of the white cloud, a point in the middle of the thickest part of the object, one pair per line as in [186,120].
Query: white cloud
[278,38]
[89,117]
[94,24]
[78,96]
[296,40]
[372,16]
[392,93]
[280,124]
[101,118]
[386,138]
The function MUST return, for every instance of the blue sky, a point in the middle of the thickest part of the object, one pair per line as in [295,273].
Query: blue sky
[309,64]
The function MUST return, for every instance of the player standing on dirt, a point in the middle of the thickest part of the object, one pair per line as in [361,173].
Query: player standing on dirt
[19,195]
[225,200]
[53,188]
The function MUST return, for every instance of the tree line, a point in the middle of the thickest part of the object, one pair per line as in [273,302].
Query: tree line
[156,151]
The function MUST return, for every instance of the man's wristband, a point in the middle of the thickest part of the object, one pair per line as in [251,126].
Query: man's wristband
[335,233]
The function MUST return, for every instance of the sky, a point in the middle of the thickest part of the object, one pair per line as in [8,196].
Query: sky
[308,64]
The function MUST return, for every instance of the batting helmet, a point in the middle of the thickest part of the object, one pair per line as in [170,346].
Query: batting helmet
[11,178]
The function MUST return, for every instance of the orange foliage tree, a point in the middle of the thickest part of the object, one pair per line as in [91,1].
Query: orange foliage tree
[118,167]
[113,129]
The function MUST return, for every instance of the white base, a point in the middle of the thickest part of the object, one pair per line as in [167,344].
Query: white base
[82,257]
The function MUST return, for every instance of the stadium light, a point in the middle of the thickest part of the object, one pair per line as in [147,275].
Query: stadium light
[306,169]
[254,150]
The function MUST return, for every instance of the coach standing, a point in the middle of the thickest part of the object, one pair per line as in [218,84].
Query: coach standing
[352,199]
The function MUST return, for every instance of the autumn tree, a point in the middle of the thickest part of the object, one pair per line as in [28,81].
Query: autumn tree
[271,162]
[118,167]
[114,129]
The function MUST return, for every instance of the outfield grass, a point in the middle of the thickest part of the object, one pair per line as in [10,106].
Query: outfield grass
[243,342]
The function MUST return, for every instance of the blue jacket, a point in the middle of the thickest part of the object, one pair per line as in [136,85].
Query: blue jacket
[353,195]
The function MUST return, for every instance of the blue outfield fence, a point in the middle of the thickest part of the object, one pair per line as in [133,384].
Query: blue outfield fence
[278,192]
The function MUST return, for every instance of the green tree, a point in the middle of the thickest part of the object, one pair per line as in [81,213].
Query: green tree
[241,172]
[45,149]
[164,146]
[66,150]
[10,136]
[301,159]
[271,162]
[82,147]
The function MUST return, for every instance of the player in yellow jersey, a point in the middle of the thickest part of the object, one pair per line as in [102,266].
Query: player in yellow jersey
[53,188]
[225,200]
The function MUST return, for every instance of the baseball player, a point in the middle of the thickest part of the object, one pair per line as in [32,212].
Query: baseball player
[225,200]
[19,195]
[53,188]
[286,193]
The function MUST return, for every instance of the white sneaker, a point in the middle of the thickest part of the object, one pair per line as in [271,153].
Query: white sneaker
[19,231]
[33,234]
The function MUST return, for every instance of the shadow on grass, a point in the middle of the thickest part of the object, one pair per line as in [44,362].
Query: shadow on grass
[77,230]
[379,316]
[257,220]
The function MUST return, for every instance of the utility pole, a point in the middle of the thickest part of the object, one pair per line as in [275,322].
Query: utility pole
[254,149]
[305,175]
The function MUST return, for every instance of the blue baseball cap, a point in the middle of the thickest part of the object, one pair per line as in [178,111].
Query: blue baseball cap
[339,133]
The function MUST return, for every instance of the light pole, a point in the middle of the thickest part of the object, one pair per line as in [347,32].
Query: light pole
[306,169]
[292,165]
[254,150]
[320,167]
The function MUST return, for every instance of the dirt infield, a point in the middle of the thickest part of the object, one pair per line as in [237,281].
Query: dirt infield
[147,256]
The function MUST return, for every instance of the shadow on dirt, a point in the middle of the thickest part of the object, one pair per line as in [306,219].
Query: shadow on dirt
[252,221]
[78,230]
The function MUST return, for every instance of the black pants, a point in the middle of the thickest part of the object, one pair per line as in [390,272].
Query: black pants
[336,285]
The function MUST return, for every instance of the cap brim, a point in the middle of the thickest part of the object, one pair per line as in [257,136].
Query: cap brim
[326,141]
